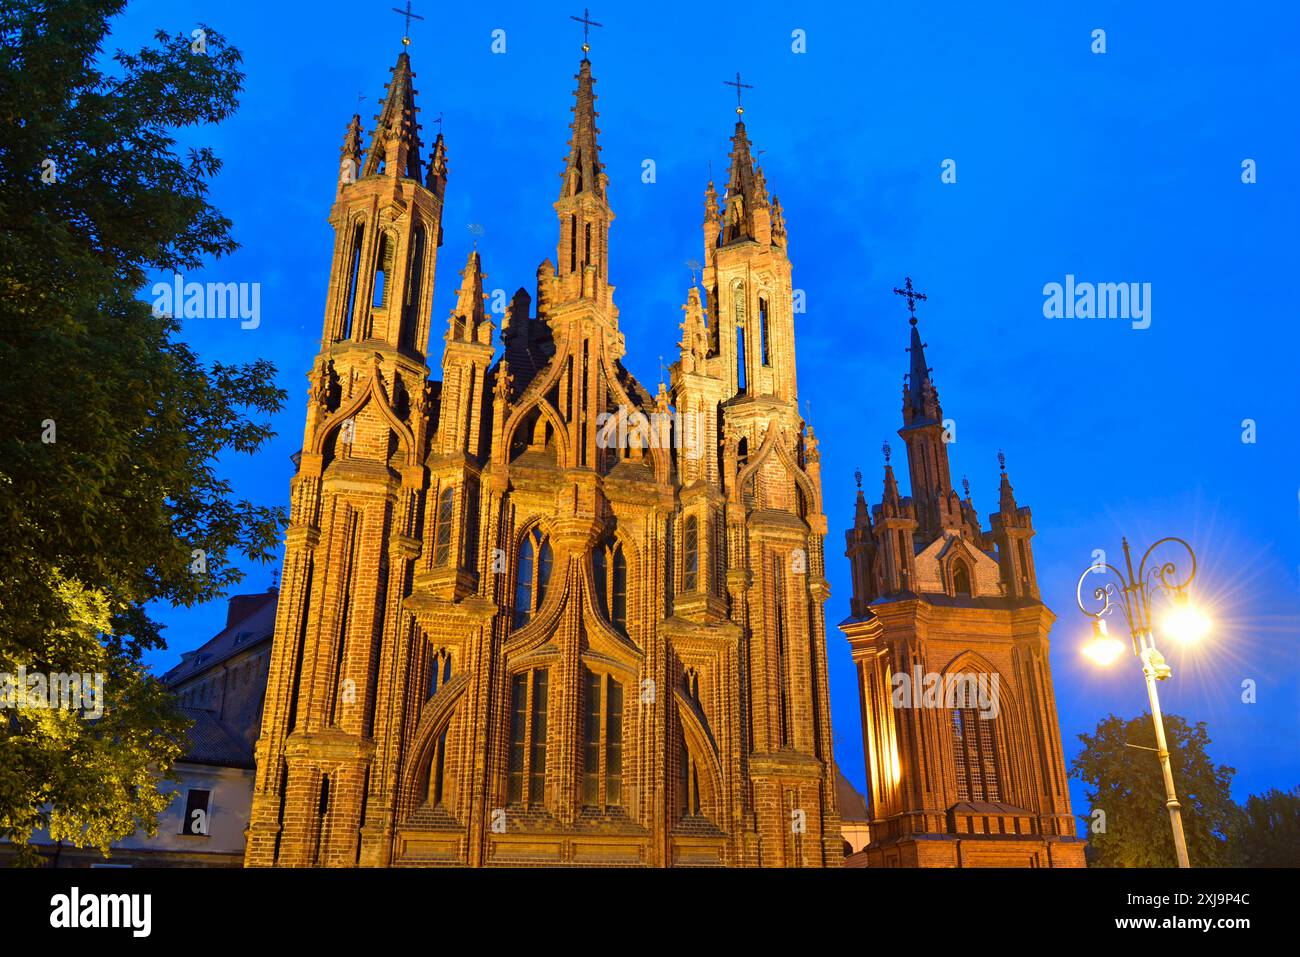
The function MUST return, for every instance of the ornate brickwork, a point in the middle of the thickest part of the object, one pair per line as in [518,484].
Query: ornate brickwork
[530,612]
[949,638]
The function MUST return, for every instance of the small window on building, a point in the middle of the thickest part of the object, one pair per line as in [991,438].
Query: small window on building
[960,579]
[197,809]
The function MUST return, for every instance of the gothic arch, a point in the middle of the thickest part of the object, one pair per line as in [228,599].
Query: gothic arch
[348,411]
[772,445]
[1007,726]
[547,412]
[545,622]
[700,743]
[434,719]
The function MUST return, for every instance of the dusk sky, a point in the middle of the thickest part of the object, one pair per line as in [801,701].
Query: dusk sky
[1117,167]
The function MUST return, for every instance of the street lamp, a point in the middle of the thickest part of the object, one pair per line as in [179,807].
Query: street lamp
[1132,595]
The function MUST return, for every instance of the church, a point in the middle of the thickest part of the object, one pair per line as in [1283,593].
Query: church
[532,613]
[948,635]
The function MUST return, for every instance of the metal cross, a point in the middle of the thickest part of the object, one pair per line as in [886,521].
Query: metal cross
[739,86]
[406,31]
[912,295]
[587,24]
[439,122]
[886,449]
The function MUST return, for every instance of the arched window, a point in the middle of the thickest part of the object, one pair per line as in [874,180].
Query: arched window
[960,579]
[978,775]
[442,526]
[609,571]
[762,330]
[690,554]
[414,281]
[354,268]
[383,267]
[439,670]
[532,572]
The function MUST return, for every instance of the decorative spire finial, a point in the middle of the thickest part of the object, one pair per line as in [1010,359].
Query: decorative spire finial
[740,109]
[885,448]
[965,485]
[587,24]
[406,31]
[857,477]
[1002,462]
[912,295]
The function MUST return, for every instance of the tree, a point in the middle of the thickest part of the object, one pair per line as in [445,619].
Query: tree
[1267,831]
[109,494]
[1126,783]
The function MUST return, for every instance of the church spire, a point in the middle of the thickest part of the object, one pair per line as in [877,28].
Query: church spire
[469,315]
[583,173]
[920,397]
[395,145]
[582,208]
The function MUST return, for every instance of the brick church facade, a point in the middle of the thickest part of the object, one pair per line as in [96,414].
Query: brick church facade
[949,640]
[532,613]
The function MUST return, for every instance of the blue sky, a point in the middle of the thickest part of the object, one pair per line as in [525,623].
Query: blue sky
[1115,167]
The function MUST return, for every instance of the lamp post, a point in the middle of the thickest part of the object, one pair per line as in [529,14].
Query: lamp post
[1132,595]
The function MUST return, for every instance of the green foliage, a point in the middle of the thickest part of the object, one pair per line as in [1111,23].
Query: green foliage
[1126,783]
[112,514]
[1266,832]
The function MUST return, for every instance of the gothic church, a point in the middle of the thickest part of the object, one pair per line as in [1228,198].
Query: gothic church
[532,613]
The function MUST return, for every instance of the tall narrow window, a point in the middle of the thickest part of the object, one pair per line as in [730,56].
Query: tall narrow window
[537,760]
[591,742]
[573,244]
[762,330]
[609,574]
[688,779]
[782,677]
[602,757]
[527,773]
[442,531]
[586,245]
[382,266]
[354,271]
[532,573]
[690,554]
[1024,561]
[740,358]
[437,768]
[978,773]
[414,282]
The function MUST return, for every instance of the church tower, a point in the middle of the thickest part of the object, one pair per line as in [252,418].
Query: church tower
[949,639]
[326,764]
[533,613]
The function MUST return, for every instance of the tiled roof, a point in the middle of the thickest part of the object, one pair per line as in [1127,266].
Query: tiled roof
[236,637]
[853,806]
[211,742]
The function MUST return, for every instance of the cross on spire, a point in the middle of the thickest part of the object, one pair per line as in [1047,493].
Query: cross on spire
[587,24]
[439,122]
[886,449]
[739,86]
[406,30]
[912,295]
